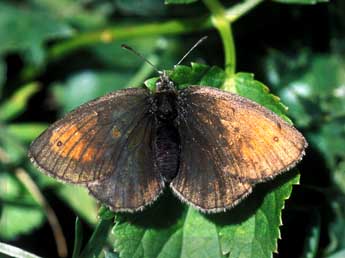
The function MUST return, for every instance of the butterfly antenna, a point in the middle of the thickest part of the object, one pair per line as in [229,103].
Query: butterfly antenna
[142,57]
[191,49]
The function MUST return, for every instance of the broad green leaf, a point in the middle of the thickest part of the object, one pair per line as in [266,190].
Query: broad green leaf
[75,12]
[179,1]
[114,55]
[301,1]
[21,214]
[171,229]
[257,235]
[29,32]
[147,7]
[80,201]
[17,103]
[339,254]
[26,131]
[313,236]
[87,85]
[110,254]
[245,85]
[2,74]
[16,252]
[14,149]
[330,140]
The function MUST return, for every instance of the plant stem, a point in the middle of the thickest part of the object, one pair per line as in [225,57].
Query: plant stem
[220,21]
[126,32]
[172,27]
[33,189]
[98,239]
[239,10]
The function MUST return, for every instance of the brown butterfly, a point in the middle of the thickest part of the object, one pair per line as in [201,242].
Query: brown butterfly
[209,146]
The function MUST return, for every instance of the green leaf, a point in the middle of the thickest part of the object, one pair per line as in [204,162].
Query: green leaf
[17,103]
[80,201]
[78,238]
[147,7]
[26,131]
[2,74]
[257,235]
[339,254]
[29,32]
[245,85]
[87,85]
[313,236]
[179,1]
[21,214]
[98,239]
[14,149]
[171,229]
[301,1]
[15,251]
[110,254]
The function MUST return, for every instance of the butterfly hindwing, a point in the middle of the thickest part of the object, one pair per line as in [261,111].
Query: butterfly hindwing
[229,143]
[135,181]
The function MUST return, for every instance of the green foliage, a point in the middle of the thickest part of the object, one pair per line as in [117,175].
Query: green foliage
[40,25]
[17,103]
[301,1]
[20,214]
[180,1]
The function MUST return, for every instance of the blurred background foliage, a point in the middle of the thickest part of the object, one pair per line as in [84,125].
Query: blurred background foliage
[55,55]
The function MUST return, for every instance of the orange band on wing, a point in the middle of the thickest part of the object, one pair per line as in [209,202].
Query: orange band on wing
[73,143]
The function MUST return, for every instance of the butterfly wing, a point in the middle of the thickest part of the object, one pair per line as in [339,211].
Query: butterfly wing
[229,143]
[136,182]
[105,144]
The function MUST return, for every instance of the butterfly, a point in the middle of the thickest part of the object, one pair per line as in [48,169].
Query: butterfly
[211,147]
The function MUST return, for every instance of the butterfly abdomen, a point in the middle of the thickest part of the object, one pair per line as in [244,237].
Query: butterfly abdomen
[167,140]
[167,151]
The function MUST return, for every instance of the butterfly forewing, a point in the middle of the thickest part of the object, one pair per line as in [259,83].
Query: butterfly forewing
[229,143]
[82,146]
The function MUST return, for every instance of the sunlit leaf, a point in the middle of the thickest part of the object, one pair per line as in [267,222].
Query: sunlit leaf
[80,201]
[301,1]
[87,85]
[29,32]
[2,74]
[179,1]
[21,214]
[26,131]
[17,103]
[147,7]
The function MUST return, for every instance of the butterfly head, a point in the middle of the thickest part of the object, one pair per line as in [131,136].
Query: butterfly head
[164,83]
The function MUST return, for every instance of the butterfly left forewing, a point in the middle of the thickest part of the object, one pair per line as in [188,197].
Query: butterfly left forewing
[79,148]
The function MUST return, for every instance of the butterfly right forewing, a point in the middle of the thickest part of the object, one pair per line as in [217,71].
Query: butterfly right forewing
[228,144]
